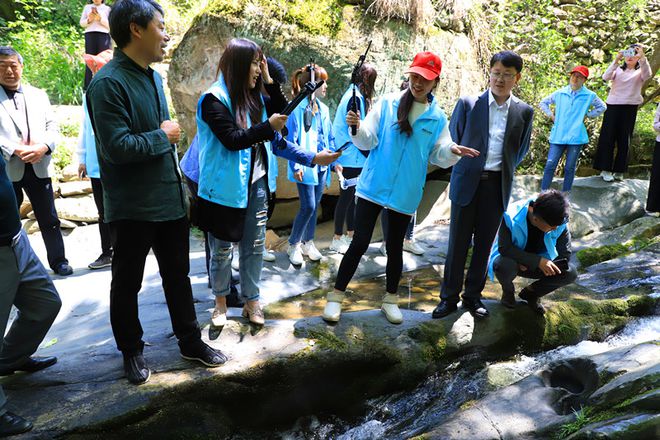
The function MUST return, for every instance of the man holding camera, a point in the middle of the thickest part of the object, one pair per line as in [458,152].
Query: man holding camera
[533,242]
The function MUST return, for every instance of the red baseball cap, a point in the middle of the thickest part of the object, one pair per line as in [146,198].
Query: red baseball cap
[427,64]
[582,70]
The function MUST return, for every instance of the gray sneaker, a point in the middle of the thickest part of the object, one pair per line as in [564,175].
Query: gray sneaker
[101,262]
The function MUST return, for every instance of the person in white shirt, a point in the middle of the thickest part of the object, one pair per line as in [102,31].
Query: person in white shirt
[95,20]
[403,132]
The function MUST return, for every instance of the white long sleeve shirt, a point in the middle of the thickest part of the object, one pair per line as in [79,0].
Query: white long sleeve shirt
[367,135]
[96,26]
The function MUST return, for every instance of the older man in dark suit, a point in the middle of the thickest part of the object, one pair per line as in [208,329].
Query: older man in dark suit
[499,125]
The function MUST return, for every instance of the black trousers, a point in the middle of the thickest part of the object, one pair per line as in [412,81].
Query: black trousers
[615,133]
[104,228]
[345,208]
[40,193]
[366,214]
[476,223]
[653,199]
[132,242]
[95,43]
[506,270]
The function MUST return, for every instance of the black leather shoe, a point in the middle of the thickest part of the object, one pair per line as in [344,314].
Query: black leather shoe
[475,307]
[33,364]
[508,300]
[135,368]
[532,301]
[11,424]
[443,309]
[63,269]
[201,352]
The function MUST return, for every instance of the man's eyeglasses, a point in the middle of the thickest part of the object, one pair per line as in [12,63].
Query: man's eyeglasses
[503,76]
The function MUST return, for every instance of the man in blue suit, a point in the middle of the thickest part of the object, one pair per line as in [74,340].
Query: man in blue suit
[499,125]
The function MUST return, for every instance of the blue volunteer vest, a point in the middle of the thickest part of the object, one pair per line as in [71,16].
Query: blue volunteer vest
[224,174]
[394,174]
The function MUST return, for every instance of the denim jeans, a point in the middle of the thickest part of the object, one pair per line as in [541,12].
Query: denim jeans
[24,283]
[555,153]
[250,248]
[304,225]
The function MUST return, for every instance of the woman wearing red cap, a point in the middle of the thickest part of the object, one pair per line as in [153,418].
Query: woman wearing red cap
[572,103]
[403,132]
[622,103]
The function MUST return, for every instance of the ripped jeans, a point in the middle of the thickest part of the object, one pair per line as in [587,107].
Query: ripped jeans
[250,248]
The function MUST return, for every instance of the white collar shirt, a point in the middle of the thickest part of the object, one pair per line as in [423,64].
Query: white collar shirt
[497,117]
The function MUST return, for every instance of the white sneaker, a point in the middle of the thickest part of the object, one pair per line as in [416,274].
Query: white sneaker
[332,310]
[390,308]
[348,240]
[269,256]
[234,263]
[412,247]
[310,250]
[219,317]
[618,177]
[295,254]
[383,249]
[607,176]
[339,245]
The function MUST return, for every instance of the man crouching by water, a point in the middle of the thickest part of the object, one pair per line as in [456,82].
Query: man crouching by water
[533,242]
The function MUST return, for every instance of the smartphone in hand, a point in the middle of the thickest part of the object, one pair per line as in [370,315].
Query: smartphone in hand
[343,147]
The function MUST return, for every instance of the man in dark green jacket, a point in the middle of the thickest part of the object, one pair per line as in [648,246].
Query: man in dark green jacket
[143,193]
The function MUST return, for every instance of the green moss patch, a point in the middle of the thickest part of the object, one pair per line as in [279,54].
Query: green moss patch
[591,256]
[320,17]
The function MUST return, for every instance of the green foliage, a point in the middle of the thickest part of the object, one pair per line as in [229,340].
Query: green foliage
[62,156]
[581,420]
[70,129]
[48,36]
[555,36]
[319,17]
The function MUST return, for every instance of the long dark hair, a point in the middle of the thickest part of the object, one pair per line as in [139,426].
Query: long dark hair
[405,104]
[367,75]
[235,64]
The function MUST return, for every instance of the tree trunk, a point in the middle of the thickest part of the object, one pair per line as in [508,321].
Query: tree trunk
[654,61]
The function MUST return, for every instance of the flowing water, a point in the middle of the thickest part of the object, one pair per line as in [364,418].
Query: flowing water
[410,413]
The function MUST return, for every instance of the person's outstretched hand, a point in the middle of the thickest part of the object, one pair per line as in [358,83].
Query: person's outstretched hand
[326,157]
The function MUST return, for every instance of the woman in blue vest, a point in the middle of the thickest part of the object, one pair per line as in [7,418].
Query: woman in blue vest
[572,103]
[403,132]
[88,165]
[349,166]
[311,130]
[235,136]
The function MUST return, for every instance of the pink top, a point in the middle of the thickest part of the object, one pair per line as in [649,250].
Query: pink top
[96,26]
[656,123]
[627,84]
